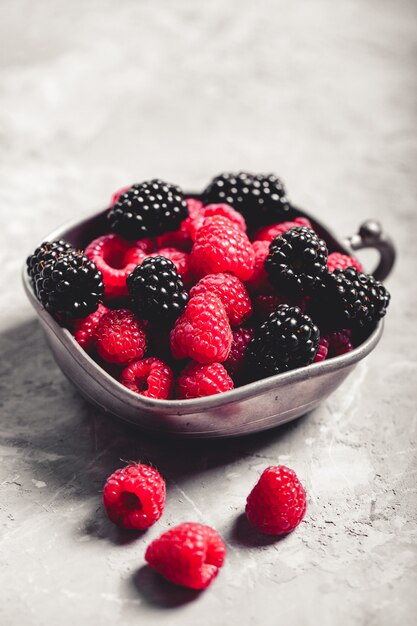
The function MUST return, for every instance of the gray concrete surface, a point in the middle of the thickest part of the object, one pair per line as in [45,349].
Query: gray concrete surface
[94,95]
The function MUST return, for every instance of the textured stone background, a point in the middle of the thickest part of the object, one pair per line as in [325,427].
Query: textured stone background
[94,95]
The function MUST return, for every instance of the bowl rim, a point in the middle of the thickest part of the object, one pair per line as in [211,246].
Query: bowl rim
[195,405]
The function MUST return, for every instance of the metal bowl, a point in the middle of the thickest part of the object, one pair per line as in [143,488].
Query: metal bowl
[251,408]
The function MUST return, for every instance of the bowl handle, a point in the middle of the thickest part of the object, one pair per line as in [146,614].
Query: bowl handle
[371,235]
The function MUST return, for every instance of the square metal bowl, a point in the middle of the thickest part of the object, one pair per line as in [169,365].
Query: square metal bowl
[253,407]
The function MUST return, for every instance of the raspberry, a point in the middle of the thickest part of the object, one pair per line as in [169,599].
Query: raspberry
[149,377]
[197,381]
[156,290]
[338,261]
[277,503]
[232,293]
[268,233]
[259,282]
[180,259]
[339,342]
[286,340]
[322,350]
[84,330]
[181,238]
[134,496]
[264,305]
[116,258]
[297,260]
[189,554]
[236,359]
[120,337]
[203,331]
[216,209]
[221,247]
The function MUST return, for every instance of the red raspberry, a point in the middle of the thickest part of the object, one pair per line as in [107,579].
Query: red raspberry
[232,293]
[264,305]
[84,330]
[149,377]
[336,260]
[235,361]
[203,331]
[134,496]
[277,503]
[259,282]
[268,233]
[339,342]
[119,193]
[189,555]
[221,247]
[322,350]
[197,381]
[180,259]
[216,209]
[181,238]
[120,337]
[116,258]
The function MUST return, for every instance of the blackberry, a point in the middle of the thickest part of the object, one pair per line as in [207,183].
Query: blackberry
[156,290]
[259,197]
[45,252]
[70,286]
[148,209]
[297,260]
[286,340]
[349,299]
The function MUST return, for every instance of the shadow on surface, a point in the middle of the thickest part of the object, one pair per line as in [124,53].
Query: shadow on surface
[158,592]
[244,535]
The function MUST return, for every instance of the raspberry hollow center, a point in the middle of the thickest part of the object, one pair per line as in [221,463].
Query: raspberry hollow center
[130,501]
[115,258]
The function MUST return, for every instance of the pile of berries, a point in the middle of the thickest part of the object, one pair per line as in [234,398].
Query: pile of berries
[189,297]
[191,554]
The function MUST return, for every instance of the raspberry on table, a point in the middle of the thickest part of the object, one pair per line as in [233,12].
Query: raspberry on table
[235,362]
[339,261]
[70,286]
[216,209]
[198,381]
[297,260]
[277,503]
[156,290]
[259,282]
[259,197]
[232,293]
[116,258]
[203,331]
[221,247]
[181,238]
[120,337]
[84,330]
[148,209]
[149,377]
[189,554]
[322,350]
[268,233]
[285,341]
[134,496]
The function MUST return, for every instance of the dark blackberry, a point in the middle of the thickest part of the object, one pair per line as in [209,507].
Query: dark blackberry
[70,286]
[156,290]
[47,251]
[259,197]
[148,209]
[349,299]
[286,340]
[297,260]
